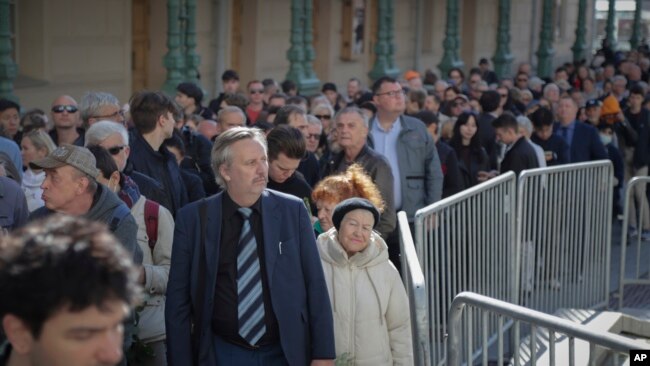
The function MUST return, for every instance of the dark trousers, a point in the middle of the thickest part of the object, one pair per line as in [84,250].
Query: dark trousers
[230,354]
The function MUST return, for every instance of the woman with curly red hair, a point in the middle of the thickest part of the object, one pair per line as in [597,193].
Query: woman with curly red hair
[354,182]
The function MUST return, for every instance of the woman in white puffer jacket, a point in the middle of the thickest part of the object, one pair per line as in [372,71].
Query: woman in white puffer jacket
[370,306]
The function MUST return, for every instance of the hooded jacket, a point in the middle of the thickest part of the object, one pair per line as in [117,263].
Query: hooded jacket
[371,312]
[31,185]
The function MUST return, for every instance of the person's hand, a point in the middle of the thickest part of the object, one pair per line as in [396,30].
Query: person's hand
[322,362]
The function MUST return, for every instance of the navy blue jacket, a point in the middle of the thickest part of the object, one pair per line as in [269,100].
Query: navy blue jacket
[586,144]
[160,165]
[296,281]
[554,148]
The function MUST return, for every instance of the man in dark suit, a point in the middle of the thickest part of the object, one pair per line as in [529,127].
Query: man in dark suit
[520,155]
[490,101]
[582,139]
[254,289]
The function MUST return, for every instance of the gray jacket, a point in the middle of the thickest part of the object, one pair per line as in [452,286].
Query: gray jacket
[421,175]
[103,209]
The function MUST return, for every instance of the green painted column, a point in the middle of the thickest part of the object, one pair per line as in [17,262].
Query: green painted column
[451,43]
[310,84]
[192,58]
[384,48]
[545,51]
[8,68]
[635,40]
[611,25]
[296,53]
[174,60]
[580,46]
[502,57]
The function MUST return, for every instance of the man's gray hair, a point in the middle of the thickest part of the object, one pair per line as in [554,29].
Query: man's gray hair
[319,104]
[525,124]
[550,86]
[100,131]
[313,120]
[221,150]
[619,78]
[355,110]
[230,110]
[93,101]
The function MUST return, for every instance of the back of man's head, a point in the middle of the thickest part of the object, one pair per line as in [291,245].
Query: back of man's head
[62,265]
[489,101]
[282,118]
[286,140]
[146,107]
[542,117]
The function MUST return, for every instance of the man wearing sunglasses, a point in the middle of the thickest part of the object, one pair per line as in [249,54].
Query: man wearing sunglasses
[65,114]
[256,97]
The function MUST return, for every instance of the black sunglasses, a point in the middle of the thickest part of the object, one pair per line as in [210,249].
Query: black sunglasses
[67,108]
[322,116]
[116,149]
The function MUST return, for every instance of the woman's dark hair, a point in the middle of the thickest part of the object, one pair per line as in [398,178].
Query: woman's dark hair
[457,139]
[103,160]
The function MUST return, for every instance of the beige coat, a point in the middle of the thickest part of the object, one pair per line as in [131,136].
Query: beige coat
[156,266]
[371,310]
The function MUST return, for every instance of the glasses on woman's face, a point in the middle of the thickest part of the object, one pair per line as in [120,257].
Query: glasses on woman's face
[116,149]
[323,116]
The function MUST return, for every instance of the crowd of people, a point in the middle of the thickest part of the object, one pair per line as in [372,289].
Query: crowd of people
[262,227]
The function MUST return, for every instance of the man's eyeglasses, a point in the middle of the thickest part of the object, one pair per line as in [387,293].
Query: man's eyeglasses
[393,93]
[112,115]
[315,136]
[522,80]
[66,108]
[116,149]
[323,116]
[256,91]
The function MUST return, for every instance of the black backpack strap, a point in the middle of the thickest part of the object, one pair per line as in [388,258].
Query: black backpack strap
[197,321]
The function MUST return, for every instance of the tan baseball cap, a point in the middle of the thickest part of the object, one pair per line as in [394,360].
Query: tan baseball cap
[75,156]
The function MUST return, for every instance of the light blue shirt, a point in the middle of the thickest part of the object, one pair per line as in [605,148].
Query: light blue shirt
[386,145]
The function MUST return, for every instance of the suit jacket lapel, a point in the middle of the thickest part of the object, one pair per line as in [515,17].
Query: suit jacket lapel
[212,244]
[271,229]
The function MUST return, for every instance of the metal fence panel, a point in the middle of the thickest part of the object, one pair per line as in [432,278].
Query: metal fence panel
[542,335]
[564,235]
[414,283]
[640,268]
[466,242]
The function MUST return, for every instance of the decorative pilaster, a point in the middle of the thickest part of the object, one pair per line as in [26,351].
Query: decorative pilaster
[580,45]
[384,48]
[610,28]
[174,60]
[311,83]
[192,58]
[296,53]
[545,51]
[8,68]
[503,58]
[635,40]
[451,43]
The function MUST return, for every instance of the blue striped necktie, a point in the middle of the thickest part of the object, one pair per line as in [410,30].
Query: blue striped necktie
[249,284]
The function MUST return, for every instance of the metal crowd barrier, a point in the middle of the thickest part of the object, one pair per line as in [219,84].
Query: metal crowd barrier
[564,235]
[466,242]
[538,341]
[414,283]
[641,267]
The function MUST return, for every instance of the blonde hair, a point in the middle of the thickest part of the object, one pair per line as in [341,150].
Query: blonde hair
[41,140]
[354,182]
